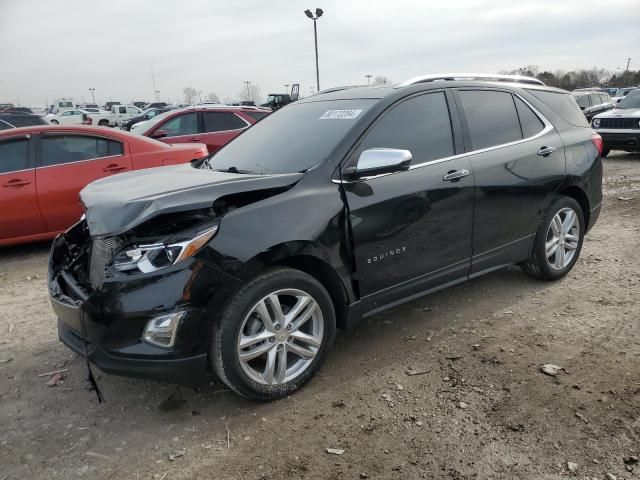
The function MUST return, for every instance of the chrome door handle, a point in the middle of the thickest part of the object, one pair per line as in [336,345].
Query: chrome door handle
[455,175]
[546,151]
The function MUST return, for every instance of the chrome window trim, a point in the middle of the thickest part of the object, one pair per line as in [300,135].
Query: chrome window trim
[204,133]
[78,161]
[548,127]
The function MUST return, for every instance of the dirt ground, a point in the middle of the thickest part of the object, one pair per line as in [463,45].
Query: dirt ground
[479,407]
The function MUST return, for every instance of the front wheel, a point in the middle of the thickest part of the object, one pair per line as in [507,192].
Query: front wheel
[103,123]
[54,122]
[558,240]
[274,334]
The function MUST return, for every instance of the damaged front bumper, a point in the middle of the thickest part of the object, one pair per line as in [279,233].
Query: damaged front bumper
[107,323]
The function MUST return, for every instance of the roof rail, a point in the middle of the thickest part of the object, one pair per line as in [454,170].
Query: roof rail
[471,76]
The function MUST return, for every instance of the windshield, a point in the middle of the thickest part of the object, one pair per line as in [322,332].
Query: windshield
[157,119]
[65,105]
[293,139]
[271,98]
[632,100]
[582,100]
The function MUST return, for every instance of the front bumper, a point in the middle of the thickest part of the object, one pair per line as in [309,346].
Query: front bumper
[628,141]
[107,324]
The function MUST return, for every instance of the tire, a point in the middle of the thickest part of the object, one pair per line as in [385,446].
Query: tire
[243,319]
[605,152]
[103,123]
[54,122]
[556,265]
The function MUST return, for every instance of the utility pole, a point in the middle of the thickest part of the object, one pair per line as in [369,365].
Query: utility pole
[315,18]
[286,87]
[155,89]
[628,62]
[93,96]
[368,78]
[247,83]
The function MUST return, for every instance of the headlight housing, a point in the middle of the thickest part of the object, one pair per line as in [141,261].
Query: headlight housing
[596,122]
[150,257]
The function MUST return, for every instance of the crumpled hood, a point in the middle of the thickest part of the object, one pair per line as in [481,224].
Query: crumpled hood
[116,204]
[620,112]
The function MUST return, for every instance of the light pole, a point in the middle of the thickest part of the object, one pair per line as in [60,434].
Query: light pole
[315,17]
[368,78]
[157,95]
[93,96]
[286,88]
[247,83]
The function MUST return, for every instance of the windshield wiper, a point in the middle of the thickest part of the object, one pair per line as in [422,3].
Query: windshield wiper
[235,170]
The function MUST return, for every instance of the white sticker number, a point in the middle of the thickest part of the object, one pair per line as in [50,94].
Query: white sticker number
[340,114]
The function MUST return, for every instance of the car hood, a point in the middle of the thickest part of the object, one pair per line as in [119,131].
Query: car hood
[140,127]
[116,204]
[620,112]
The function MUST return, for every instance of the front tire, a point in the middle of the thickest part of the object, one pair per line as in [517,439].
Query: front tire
[103,123]
[273,335]
[558,240]
[54,122]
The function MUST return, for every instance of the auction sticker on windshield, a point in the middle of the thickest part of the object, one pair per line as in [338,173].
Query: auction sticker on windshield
[340,114]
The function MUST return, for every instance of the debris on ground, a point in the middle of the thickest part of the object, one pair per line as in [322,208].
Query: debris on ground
[551,369]
[610,476]
[56,380]
[582,417]
[335,451]
[572,467]
[177,454]
[413,373]
[463,405]
[630,460]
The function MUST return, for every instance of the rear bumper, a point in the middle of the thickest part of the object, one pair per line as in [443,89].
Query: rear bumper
[627,141]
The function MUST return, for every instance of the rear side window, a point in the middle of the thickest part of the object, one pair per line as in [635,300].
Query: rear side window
[63,149]
[14,155]
[122,110]
[595,99]
[420,125]
[24,120]
[563,104]
[186,124]
[529,122]
[492,118]
[604,98]
[257,116]
[221,121]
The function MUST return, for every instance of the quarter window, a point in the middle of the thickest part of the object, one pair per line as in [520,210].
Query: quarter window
[492,118]
[221,121]
[529,121]
[420,125]
[14,155]
[73,148]
[186,124]
[595,99]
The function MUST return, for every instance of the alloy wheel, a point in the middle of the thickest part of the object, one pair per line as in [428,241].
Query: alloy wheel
[280,337]
[563,238]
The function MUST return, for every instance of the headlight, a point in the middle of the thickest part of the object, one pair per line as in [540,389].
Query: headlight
[596,122]
[151,257]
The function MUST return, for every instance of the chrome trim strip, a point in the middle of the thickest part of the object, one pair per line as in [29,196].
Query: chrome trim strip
[548,127]
[617,130]
[79,161]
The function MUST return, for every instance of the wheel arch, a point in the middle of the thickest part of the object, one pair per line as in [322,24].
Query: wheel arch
[579,196]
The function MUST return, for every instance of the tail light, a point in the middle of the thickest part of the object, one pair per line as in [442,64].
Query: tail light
[597,142]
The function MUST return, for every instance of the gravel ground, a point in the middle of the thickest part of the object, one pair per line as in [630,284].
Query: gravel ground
[476,407]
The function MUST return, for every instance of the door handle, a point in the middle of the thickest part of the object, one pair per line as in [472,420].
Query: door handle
[114,167]
[16,182]
[195,139]
[455,175]
[546,151]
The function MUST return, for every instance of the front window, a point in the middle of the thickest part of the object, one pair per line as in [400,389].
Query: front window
[293,139]
[632,100]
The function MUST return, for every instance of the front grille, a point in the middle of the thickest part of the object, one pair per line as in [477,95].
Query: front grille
[619,123]
[102,252]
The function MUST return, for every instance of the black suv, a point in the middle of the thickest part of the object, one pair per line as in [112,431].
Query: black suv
[336,207]
[593,102]
[19,119]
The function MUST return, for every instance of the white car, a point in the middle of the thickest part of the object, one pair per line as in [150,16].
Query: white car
[620,127]
[122,113]
[82,117]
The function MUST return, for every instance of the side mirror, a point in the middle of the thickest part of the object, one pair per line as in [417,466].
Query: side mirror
[376,161]
[159,134]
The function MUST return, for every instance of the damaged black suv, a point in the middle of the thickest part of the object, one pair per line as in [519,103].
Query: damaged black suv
[333,208]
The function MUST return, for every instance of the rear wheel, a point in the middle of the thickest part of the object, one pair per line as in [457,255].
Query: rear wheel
[274,334]
[103,123]
[55,122]
[605,152]
[558,240]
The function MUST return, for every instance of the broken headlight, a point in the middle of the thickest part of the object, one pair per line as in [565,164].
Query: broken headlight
[150,257]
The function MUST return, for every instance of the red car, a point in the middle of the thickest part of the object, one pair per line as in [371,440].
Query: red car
[213,125]
[44,167]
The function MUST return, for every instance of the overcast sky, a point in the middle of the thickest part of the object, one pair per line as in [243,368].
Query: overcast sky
[61,48]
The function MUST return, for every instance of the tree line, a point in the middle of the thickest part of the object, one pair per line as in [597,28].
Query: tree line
[580,78]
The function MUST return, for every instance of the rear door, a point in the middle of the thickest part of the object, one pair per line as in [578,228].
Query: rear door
[18,202]
[412,229]
[181,128]
[71,117]
[219,128]
[519,163]
[67,162]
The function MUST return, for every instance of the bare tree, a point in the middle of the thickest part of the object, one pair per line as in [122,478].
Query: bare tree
[250,93]
[381,80]
[213,98]
[190,94]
